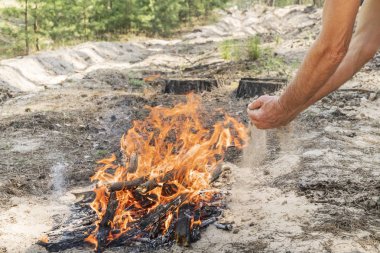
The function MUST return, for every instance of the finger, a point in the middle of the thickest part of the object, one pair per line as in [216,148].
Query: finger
[253,122]
[256,104]
[257,124]
[263,127]
[254,115]
[257,120]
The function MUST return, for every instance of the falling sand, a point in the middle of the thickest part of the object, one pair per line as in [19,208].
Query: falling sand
[256,151]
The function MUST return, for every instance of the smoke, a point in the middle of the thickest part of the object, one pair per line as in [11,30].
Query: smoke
[58,179]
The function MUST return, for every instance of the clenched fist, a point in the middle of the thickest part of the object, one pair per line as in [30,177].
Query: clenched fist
[267,112]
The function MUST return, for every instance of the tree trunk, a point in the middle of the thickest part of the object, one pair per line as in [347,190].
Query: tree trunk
[26,28]
[54,36]
[35,27]
[270,2]
[188,12]
[318,3]
[207,8]
[85,23]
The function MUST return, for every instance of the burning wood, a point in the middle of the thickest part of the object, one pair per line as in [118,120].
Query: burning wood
[162,193]
[183,226]
[133,163]
[104,225]
[127,185]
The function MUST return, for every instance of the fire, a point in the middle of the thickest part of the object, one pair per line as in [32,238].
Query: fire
[167,158]
[168,222]
[44,239]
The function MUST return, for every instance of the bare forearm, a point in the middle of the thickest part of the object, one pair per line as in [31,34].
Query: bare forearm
[356,57]
[324,57]
[329,63]
[318,66]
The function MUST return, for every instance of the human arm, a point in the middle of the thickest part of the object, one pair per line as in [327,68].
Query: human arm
[319,65]
[364,45]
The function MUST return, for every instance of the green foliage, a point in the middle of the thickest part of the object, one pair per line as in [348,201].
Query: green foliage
[269,62]
[253,48]
[136,82]
[102,153]
[10,32]
[227,49]
[263,59]
[244,4]
[51,23]
[234,50]
[135,79]
[60,22]
[11,35]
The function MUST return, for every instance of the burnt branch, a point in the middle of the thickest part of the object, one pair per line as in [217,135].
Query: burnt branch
[215,174]
[155,182]
[133,163]
[127,185]
[171,175]
[104,225]
[182,228]
[227,227]
[149,220]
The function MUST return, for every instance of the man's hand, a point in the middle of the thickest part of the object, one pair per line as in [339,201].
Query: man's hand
[267,112]
[319,65]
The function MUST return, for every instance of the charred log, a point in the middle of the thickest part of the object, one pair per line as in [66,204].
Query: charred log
[149,220]
[104,225]
[72,231]
[208,222]
[133,163]
[169,176]
[169,189]
[182,229]
[161,211]
[155,182]
[127,185]
[178,86]
[215,174]
[147,230]
[227,227]
[145,200]
[67,239]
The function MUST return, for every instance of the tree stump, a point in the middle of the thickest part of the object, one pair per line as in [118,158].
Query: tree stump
[251,87]
[181,87]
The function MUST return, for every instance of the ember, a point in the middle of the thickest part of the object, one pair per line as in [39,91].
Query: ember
[161,192]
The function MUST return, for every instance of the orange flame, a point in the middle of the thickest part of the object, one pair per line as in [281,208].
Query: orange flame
[170,141]
[167,222]
[44,239]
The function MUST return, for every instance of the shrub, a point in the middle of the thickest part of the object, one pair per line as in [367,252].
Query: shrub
[254,48]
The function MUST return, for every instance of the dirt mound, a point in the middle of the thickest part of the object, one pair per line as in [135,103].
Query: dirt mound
[49,69]
[257,20]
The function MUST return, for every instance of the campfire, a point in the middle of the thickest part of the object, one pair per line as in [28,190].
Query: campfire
[160,191]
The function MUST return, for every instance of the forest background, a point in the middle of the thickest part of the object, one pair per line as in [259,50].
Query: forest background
[28,26]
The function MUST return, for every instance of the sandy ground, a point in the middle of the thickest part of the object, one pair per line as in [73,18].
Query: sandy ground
[311,187]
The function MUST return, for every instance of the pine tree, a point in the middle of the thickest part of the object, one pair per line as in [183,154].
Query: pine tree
[40,24]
